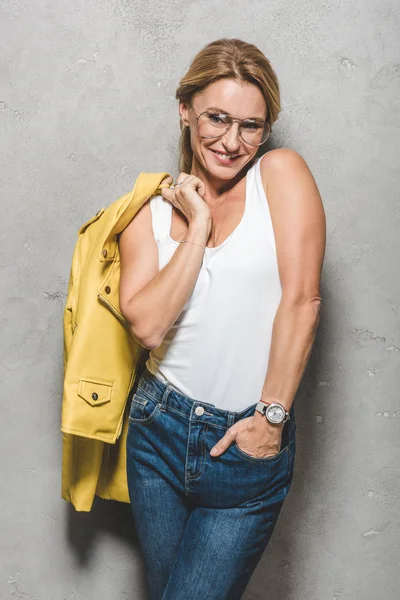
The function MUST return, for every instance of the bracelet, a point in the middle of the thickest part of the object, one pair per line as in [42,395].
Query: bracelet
[189,242]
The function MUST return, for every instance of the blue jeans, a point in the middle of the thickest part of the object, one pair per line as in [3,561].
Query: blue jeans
[202,522]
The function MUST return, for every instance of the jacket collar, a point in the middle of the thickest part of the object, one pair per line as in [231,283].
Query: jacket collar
[146,185]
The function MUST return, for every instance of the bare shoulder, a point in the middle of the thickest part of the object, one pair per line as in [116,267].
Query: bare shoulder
[138,256]
[282,164]
[288,182]
[281,155]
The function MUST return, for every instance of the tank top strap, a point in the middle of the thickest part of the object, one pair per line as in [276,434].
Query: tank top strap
[255,183]
[161,216]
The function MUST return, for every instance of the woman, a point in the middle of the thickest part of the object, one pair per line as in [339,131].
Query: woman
[220,280]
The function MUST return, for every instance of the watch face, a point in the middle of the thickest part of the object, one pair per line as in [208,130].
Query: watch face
[275,413]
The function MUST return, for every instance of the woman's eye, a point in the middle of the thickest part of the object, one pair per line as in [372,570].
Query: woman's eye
[252,126]
[216,118]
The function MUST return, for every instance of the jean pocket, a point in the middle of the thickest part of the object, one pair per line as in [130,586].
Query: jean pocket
[144,408]
[266,459]
[285,439]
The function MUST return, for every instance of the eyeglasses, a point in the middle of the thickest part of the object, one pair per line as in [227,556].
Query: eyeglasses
[213,124]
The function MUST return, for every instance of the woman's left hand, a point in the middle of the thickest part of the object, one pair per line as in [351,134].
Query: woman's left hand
[254,435]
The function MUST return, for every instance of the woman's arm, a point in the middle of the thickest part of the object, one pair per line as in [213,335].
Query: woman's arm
[300,234]
[151,300]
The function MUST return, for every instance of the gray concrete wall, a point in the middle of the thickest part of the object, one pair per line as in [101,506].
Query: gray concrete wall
[87,101]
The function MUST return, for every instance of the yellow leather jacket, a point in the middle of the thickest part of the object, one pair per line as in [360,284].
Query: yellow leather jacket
[101,357]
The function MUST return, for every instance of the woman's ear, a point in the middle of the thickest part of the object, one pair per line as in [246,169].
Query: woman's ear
[183,114]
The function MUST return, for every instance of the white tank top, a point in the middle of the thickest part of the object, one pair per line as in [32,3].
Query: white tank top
[217,351]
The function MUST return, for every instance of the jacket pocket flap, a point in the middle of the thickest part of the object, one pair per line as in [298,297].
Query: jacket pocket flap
[94,391]
[91,220]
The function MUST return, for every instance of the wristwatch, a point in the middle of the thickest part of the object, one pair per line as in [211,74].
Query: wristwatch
[273,411]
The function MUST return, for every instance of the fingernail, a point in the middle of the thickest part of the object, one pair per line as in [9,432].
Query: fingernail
[214,451]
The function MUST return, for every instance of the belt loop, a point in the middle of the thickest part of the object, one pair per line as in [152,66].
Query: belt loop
[231,418]
[164,399]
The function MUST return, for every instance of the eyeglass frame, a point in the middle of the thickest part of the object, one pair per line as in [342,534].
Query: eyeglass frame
[233,120]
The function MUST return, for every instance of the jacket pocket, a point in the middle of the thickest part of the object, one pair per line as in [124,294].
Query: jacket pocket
[95,392]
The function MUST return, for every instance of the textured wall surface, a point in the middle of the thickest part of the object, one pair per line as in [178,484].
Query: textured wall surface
[86,103]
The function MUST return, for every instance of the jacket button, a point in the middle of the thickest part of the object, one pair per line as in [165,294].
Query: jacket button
[107,289]
[94,396]
[104,252]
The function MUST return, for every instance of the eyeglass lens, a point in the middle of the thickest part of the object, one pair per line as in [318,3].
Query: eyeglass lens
[211,125]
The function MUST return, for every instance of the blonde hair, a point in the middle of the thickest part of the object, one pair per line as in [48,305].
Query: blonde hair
[222,59]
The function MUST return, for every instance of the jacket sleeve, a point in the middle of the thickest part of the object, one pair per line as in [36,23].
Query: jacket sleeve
[69,319]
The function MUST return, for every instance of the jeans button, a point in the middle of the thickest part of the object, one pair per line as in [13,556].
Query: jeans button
[199,410]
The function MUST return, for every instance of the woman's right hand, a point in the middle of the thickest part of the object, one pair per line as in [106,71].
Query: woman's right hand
[188,197]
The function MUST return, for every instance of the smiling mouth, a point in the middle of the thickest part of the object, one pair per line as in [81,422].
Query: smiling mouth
[225,156]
